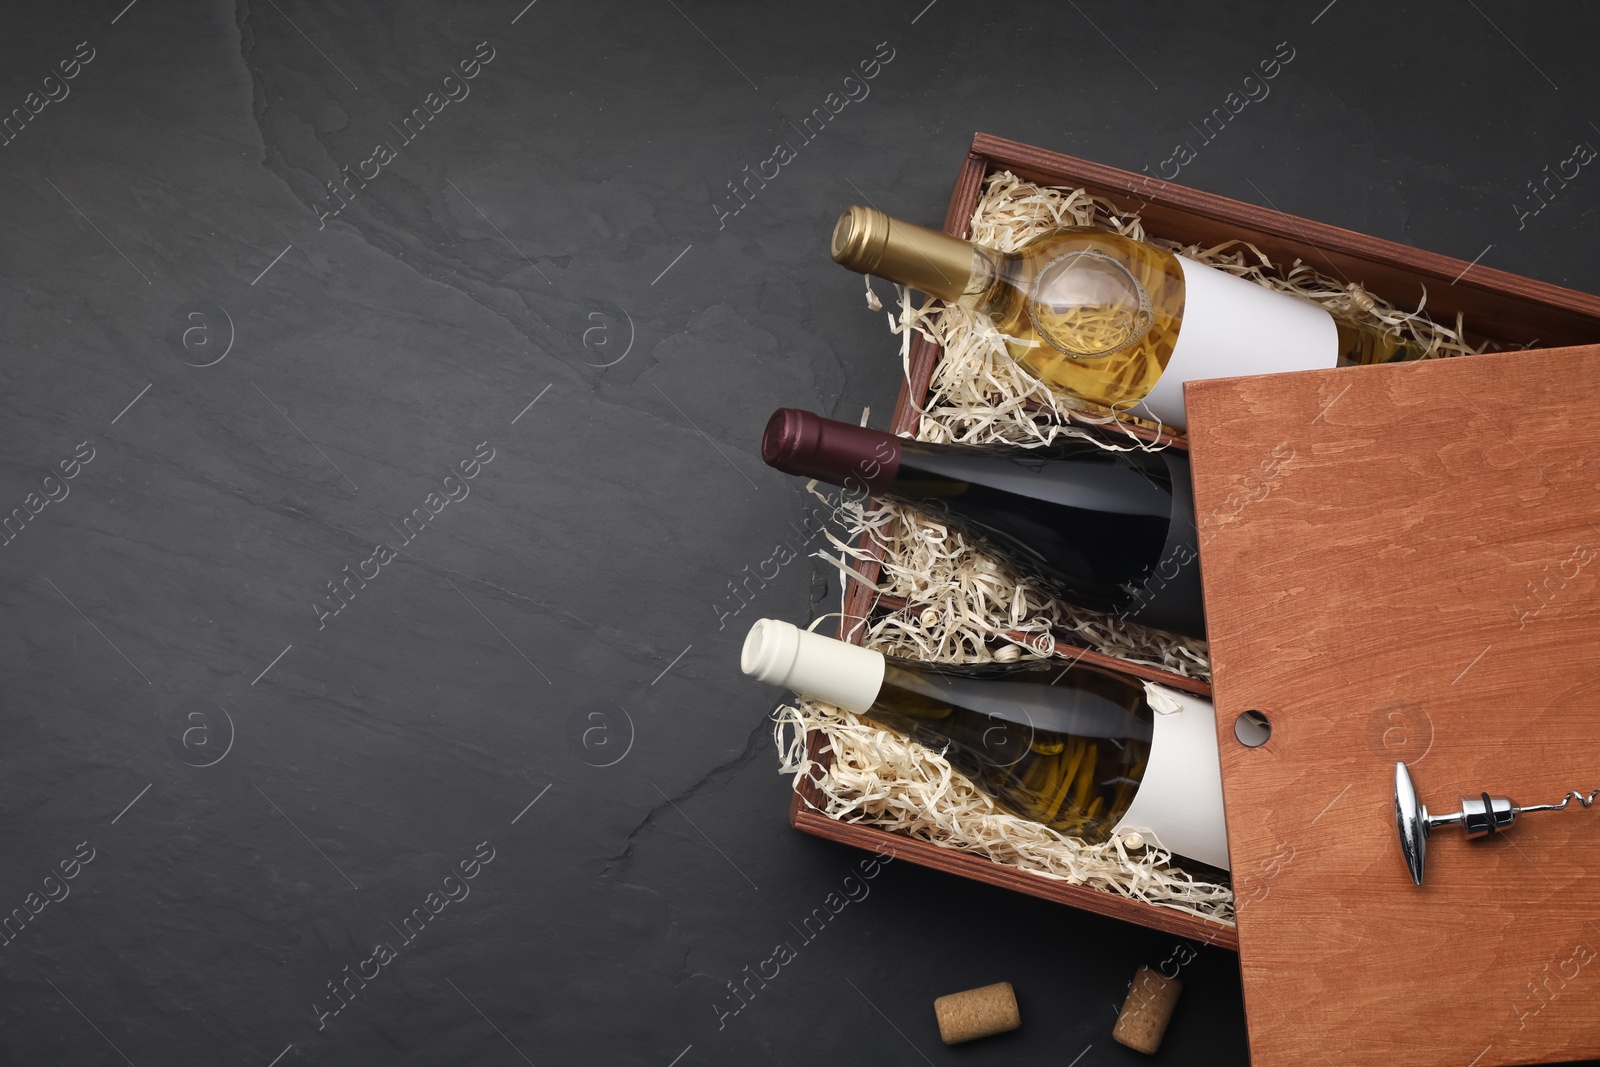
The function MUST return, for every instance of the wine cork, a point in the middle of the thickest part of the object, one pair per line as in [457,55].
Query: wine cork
[981,1012]
[1142,1023]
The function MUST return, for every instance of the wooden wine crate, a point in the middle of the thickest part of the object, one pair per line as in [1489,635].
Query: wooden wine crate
[1506,308]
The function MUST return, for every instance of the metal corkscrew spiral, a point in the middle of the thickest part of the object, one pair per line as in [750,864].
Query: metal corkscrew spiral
[1481,816]
[1586,801]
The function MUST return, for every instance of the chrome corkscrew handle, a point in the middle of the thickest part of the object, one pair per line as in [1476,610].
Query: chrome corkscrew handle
[1481,816]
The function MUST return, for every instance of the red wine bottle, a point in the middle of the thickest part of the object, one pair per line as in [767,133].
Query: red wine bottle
[1109,531]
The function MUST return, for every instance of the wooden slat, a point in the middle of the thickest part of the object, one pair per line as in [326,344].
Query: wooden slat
[981,869]
[1074,653]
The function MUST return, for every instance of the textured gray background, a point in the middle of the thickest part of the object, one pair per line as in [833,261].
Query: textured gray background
[564,614]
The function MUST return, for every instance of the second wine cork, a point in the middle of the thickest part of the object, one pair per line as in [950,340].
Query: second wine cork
[1142,1023]
[981,1012]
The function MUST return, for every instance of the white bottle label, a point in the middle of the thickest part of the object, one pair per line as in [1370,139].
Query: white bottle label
[1179,802]
[1232,327]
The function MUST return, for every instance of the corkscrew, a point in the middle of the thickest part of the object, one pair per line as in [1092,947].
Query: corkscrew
[1482,816]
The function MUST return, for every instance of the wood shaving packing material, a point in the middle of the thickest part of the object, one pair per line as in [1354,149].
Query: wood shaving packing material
[880,778]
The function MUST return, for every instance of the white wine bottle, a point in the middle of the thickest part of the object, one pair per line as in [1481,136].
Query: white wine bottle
[1079,749]
[1111,322]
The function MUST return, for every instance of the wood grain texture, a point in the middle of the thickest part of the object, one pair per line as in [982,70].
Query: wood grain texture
[1511,309]
[1414,580]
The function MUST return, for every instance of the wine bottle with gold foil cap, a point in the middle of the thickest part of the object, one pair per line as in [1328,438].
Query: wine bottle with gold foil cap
[1113,323]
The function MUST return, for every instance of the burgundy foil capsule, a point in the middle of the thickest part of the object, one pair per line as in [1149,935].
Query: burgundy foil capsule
[854,457]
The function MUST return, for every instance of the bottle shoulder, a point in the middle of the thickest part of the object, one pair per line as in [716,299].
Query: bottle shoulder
[1070,238]
[994,669]
[1066,447]
[1070,471]
[1076,699]
[1048,672]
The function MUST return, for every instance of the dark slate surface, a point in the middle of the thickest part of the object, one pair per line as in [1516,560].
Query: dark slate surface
[267,792]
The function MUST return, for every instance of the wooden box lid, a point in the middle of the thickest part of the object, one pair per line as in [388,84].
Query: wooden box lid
[1401,562]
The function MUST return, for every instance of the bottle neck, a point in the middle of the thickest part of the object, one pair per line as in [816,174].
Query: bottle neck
[870,242]
[813,665]
[1073,474]
[855,458]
